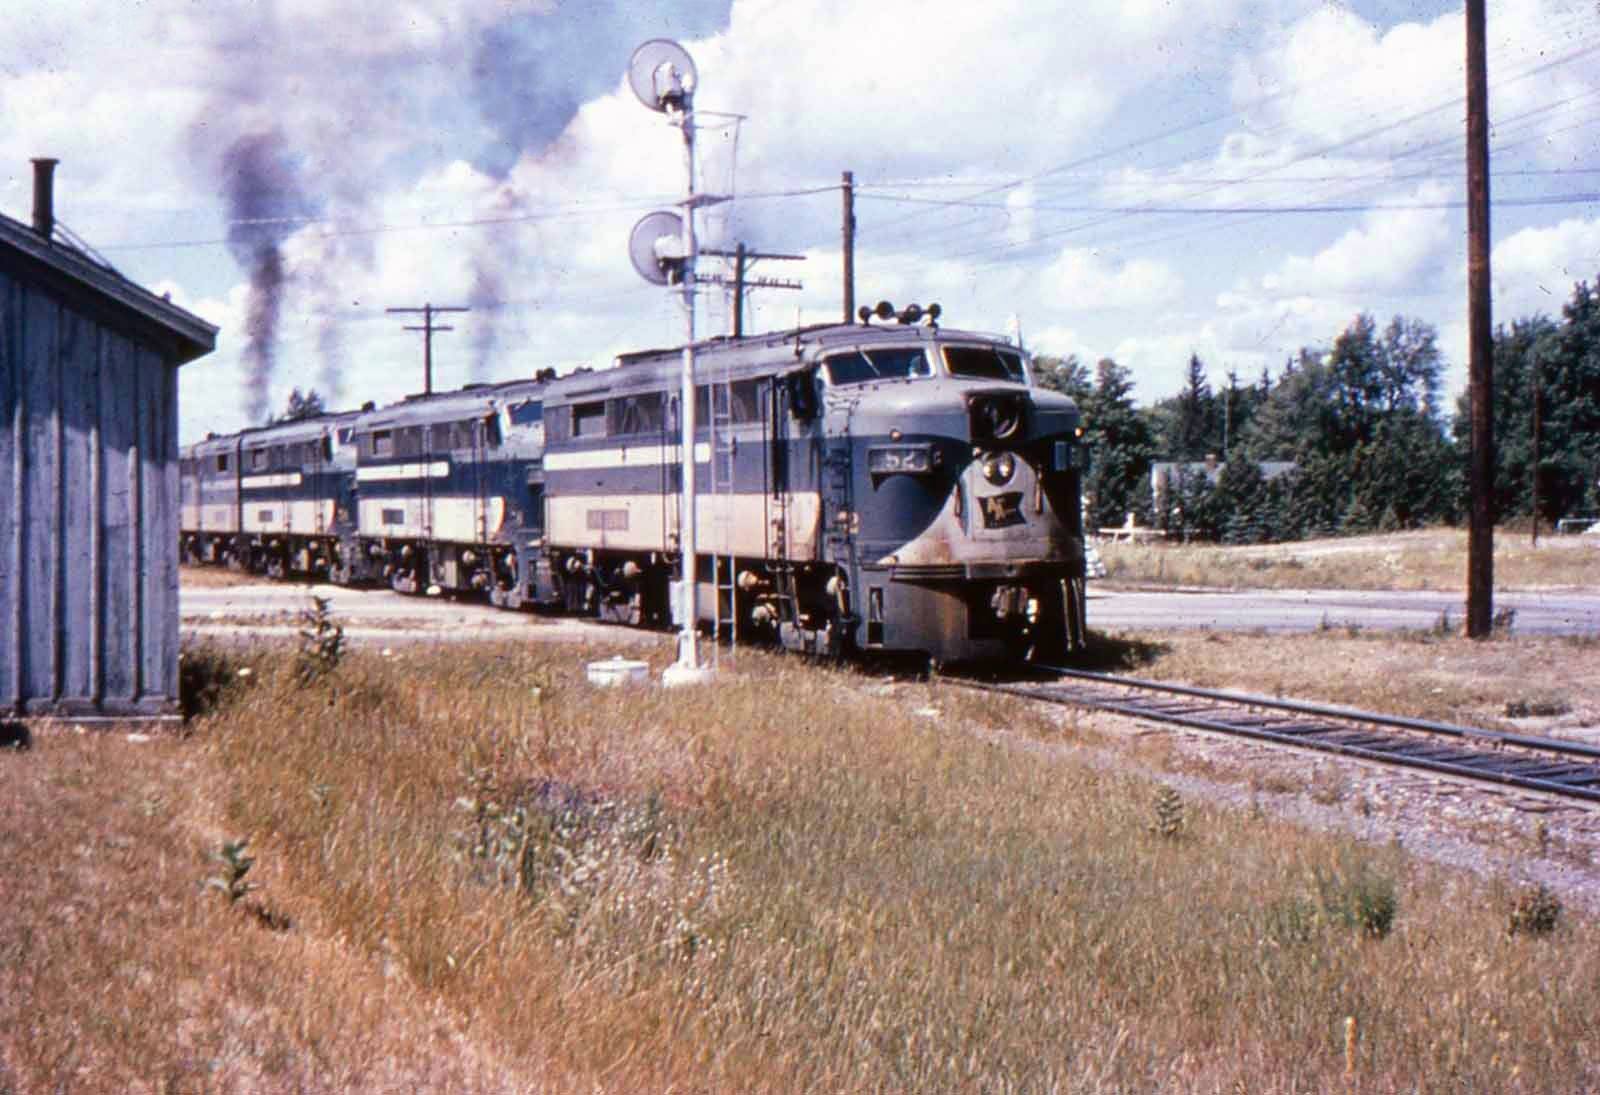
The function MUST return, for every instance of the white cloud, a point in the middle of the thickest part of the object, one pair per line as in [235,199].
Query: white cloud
[1391,249]
[1081,278]
[1535,269]
[1332,77]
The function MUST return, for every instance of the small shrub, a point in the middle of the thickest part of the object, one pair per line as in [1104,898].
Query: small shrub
[230,881]
[1169,814]
[1535,910]
[321,642]
[1504,620]
[1289,921]
[549,839]
[14,735]
[206,675]
[1359,897]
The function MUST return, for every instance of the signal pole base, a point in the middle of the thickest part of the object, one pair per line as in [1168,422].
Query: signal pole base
[678,674]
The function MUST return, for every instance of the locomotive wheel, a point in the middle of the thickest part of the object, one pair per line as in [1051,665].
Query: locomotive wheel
[340,572]
[629,611]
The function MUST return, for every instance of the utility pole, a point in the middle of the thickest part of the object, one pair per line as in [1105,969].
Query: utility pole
[849,198]
[1538,394]
[743,258]
[1480,345]
[428,327]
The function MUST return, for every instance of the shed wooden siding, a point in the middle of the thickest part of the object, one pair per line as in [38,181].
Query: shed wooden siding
[88,513]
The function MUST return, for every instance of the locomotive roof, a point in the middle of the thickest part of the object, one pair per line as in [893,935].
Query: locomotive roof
[754,354]
[473,399]
[278,433]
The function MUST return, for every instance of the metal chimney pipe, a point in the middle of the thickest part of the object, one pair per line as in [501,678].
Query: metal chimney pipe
[44,201]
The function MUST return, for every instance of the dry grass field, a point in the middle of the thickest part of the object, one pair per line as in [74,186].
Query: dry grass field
[1429,559]
[473,872]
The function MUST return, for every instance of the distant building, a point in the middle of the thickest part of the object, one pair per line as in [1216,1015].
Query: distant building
[88,477]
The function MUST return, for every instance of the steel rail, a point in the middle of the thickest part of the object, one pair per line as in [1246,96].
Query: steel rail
[1343,731]
[1549,745]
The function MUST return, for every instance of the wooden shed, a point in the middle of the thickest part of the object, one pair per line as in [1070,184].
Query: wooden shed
[88,478]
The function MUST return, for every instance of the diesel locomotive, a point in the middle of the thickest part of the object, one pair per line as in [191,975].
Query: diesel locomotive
[895,487]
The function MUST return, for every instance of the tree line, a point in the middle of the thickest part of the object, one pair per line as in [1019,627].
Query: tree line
[1347,438]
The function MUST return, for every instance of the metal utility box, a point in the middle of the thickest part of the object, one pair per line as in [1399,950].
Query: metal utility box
[88,478]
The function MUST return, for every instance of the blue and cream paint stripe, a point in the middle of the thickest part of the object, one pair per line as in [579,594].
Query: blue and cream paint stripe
[622,456]
[437,469]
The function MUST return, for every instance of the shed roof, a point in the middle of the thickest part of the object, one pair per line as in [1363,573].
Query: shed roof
[182,335]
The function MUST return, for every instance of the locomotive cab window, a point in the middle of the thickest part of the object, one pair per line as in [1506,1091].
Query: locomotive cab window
[380,443]
[222,461]
[526,414]
[985,363]
[887,363]
[258,459]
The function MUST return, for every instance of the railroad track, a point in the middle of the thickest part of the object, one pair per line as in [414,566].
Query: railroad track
[1568,769]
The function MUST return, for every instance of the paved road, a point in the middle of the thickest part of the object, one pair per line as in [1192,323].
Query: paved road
[379,616]
[370,615]
[1308,610]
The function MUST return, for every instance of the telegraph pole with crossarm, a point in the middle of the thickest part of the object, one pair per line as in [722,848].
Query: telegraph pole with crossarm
[427,312]
[743,259]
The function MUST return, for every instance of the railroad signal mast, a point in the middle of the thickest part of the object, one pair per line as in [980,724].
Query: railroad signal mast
[662,247]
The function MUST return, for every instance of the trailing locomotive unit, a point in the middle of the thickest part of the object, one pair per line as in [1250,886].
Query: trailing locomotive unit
[272,499]
[880,487]
[449,492]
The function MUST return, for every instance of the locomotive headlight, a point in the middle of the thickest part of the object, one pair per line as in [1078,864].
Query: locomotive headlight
[999,469]
[901,459]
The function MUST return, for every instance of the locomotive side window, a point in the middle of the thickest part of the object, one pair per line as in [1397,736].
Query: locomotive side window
[589,419]
[408,441]
[380,443]
[222,461]
[985,363]
[749,397]
[526,414]
[258,459]
[635,414]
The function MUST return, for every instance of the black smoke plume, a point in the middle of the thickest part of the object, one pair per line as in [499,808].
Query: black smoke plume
[265,205]
[531,71]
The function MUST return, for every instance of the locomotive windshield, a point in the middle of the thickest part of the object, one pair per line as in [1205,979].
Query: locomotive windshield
[985,363]
[886,363]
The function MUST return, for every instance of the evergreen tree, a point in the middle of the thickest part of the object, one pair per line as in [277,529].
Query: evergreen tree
[1121,446]
[1561,362]
[1066,375]
[300,406]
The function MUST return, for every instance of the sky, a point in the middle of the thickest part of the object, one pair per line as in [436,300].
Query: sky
[1135,179]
